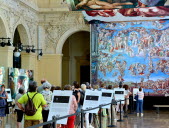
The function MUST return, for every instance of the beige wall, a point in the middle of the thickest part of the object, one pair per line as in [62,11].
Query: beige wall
[78,45]
[49,67]
[6,59]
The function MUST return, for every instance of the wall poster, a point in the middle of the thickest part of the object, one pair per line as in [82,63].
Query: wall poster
[19,78]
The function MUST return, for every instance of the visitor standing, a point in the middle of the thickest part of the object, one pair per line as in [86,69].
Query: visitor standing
[17,109]
[3,103]
[38,102]
[72,110]
[47,94]
[140,102]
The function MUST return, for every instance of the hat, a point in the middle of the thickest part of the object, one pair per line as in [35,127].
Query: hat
[46,85]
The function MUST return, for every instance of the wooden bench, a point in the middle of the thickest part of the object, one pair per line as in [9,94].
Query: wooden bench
[160,106]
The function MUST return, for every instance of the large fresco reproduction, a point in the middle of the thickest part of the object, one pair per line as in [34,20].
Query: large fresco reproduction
[19,78]
[128,14]
[79,5]
[136,53]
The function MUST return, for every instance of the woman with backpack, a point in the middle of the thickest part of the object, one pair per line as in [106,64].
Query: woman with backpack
[47,94]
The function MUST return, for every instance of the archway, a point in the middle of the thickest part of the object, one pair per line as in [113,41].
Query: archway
[76,58]
[69,33]
[20,36]
[3,31]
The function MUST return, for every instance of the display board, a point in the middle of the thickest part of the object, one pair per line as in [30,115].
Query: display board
[136,53]
[19,78]
[2,75]
[119,94]
[112,4]
[106,97]
[60,105]
[91,100]
[8,90]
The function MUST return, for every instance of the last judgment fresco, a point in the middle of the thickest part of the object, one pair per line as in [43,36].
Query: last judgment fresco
[136,53]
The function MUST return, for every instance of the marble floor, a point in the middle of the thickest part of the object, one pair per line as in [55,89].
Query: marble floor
[150,120]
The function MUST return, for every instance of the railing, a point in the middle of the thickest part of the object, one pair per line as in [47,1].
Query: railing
[53,122]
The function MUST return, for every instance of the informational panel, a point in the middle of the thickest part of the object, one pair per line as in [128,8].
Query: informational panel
[135,91]
[60,105]
[106,97]
[91,100]
[119,94]
[8,90]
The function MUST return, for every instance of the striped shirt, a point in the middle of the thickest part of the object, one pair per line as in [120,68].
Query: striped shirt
[140,95]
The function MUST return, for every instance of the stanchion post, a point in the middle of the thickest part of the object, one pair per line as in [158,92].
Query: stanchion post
[54,123]
[82,118]
[125,111]
[112,117]
[120,120]
[100,106]
[131,104]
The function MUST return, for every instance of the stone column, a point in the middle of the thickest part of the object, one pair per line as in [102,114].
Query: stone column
[50,68]
[29,61]
[6,59]
[6,56]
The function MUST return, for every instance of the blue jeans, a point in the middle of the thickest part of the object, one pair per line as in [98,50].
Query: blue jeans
[140,106]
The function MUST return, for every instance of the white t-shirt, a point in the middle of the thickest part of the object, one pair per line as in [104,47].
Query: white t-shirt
[140,95]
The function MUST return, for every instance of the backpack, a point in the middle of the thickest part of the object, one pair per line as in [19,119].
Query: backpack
[82,95]
[75,92]
[136,97]
[30,108]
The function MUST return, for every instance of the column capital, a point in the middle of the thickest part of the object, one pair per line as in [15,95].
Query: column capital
[29,54]
[7,48]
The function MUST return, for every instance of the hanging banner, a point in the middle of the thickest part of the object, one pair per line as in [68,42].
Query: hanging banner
[91,100]
[60,105]
[78,5]
[130,14]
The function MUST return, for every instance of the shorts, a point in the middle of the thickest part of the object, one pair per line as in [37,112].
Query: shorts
[29,123]
[19,115]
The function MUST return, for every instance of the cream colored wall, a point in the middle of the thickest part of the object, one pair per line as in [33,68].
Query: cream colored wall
[50,68]
[6,59]
[78,45]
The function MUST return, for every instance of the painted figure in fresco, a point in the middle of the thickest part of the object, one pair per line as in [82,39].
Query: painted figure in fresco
[132,69]
[130,51]
[134,38]
[97,4]
[141,49]
[150,3]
